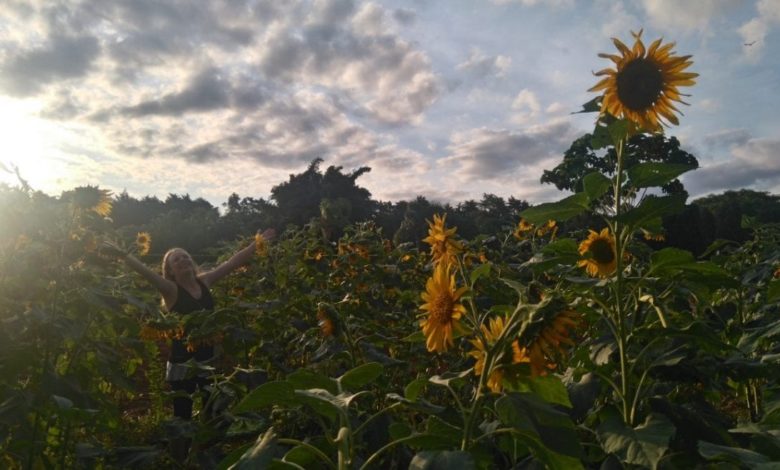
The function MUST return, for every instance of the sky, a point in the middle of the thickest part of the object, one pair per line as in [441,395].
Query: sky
[446,99]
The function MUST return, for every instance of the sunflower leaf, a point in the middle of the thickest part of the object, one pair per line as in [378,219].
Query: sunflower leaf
[643,445]
[652,207]
[595,185]
[647,174]
[561,210]
[361,375]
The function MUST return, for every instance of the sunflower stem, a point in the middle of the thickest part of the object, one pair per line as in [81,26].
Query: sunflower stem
[619,311]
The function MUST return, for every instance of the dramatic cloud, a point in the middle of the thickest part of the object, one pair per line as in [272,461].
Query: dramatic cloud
[726,139]
[496,154]
[61,58]
[753,163]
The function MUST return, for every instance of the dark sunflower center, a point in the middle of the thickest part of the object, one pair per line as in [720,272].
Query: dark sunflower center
[441,310]
[602,251]
[639,84]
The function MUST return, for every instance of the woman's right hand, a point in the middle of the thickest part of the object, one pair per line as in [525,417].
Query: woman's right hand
[110,249]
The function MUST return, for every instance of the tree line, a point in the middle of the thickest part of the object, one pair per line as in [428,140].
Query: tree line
[328,200]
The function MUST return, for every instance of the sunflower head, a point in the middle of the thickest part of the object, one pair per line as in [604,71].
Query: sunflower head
[547,339]
[91,198]
[645,83]
[444,247]
[143,241]
[261,246]
[328,320]
[599,248]
[442,307]
[491,333]
[523,229]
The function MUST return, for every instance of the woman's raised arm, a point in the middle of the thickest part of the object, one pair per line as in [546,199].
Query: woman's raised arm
[241,258]
[164,286]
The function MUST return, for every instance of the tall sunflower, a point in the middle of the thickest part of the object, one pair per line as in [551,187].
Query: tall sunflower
[441,303]
[444,247]
[600,249]
[644,83]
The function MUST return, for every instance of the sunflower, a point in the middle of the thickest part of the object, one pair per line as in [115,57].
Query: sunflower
[491,334]
[92,198]
[444,312]
[261,246]
[550,227]
[549,345]
[328,320]
[143,241]
[444,247]
[644,83]
[600,247]
[522,229]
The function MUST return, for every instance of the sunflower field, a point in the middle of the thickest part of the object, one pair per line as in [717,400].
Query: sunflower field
[532,347]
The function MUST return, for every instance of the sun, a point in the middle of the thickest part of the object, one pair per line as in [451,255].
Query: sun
[31,144]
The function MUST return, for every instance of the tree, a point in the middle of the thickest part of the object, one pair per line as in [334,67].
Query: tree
[298,199]
[580,159]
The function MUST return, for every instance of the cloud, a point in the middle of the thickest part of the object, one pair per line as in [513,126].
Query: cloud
[755,31]
[675,16]
[500,154]
[481,65]
[525,106]
[752,163]
[61,58]
[206,91]
[404,16]
[530,3]
[727,138]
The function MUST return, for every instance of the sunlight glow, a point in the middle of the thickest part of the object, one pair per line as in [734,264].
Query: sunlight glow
[31,144]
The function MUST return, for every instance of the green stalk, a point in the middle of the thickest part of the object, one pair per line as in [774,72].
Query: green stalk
[619,311]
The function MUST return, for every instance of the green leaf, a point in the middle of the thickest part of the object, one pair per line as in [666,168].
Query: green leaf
[442,460]
[773,291]
[653,207]
[361,375]
[561,210]
[481,271]
[416,337]
[438,427]
[413,389]
[270,393]
[531,415]
[643,445]
[322,402]
[260,454]
[418,405]
[595,185]
[731,454]
[302,379]
[549,388]
[670,258]
[647,174]
[592,106]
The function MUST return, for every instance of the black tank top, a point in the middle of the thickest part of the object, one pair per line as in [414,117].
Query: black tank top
[186,304]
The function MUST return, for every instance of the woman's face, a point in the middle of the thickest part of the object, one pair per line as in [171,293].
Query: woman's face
[181,264]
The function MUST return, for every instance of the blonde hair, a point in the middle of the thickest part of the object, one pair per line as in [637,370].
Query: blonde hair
[167,273]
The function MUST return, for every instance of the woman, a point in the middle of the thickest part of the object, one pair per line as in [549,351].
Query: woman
[184,290]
